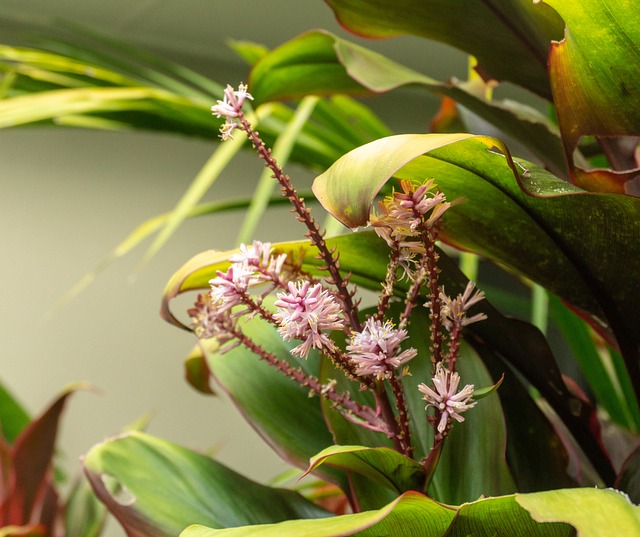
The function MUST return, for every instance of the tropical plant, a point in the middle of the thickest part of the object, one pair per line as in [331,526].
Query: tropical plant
[547,196]
[31,501]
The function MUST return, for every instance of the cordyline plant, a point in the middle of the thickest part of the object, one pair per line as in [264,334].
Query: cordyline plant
[391,382]
[309,311]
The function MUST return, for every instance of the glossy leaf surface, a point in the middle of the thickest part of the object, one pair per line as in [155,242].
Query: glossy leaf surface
[385,466]
[592,512]
[277,408]
[365,256]
[321,63]
[515,49]
[411,515]
[514,213]
[166,487]
[595,87]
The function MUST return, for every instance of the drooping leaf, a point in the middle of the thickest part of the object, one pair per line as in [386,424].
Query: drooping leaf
[197,372]
[320,63]
[573,243]
[165,487]
[384,466]
[411,515]
[594,88]
[27,469]
[84,514]
[591,511]
[514,49]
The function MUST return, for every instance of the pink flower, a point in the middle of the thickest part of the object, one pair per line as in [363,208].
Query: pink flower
[230,108]
[228,288]
[305,312]
[251,266]
[208,321]
[231,105]
[445,399]
[454,312]
[376,349]
[403,212]
[259,257]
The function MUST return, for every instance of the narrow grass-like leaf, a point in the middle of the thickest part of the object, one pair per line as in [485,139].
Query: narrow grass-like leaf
[602,380]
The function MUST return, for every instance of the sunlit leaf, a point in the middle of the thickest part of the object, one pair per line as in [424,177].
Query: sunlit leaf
[514,213]
[595,88]
[384,466]
[411,515]
[591,511]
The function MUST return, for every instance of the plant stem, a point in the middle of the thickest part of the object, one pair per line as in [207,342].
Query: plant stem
[313,232]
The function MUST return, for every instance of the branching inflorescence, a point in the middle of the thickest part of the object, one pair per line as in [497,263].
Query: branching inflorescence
[310,311]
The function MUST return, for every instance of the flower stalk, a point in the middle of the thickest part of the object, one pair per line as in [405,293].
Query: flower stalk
[377,354]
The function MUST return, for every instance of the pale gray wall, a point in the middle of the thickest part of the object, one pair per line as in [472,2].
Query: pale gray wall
[69,196]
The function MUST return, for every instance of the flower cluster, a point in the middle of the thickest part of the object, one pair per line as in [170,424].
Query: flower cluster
[231,108]
[250,267]
[310,312]
[406,214]
[376,351]
[449,402]
[454,312]
[208,321]
[306,312]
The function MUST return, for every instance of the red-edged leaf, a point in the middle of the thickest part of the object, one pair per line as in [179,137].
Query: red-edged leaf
[30,493]
[594,74]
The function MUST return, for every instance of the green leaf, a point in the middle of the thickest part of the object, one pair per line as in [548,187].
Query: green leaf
[84,514]
[514,213]
[535,453]
[13,417]
[517,343]
[515,49]
[595,89]
[592,512]
[384,466]
[411,515]
[289,71]
[280,410]
[166,487]
[197,372]
[618,403]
